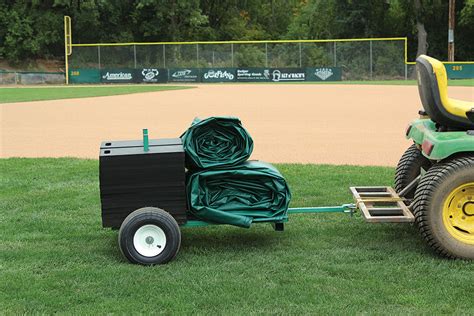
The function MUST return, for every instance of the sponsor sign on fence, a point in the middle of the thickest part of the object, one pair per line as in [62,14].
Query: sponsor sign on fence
[270,74]
[218,74]
[324,74]
[152,75]
[118,75]
[253,74]
[460,71]
[161,75]
[288,74]
[183,75]
[84,75]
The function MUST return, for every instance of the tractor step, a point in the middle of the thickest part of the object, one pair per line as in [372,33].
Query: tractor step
[381,205]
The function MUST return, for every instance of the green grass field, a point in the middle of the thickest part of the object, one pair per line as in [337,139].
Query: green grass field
[452,83]
[56,258]
[25,94]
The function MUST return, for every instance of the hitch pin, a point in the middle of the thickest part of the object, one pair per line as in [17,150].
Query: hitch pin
[350,208]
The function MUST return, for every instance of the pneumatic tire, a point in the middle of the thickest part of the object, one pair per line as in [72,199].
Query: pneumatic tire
[444,208]
[149,236]
[408,169]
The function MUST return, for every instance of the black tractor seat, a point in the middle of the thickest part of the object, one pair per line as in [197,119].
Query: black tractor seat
[433,88]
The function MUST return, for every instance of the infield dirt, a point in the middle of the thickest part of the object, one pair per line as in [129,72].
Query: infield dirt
[330,124]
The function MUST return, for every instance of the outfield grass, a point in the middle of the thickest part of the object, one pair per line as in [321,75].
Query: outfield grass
[55,257]
[453,83]
[26,94]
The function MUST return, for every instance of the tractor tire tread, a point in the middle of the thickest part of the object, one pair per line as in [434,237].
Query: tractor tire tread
[426,188]
[411,159]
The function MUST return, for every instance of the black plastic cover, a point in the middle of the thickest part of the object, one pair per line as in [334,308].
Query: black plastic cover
[131,179]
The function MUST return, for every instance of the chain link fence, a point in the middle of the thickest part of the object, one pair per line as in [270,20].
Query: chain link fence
[27,78]
[364,59]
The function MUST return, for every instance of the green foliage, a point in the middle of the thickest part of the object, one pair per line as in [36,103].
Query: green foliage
[33,29]
[22,34]
[465,32]
[388,60]
[314,54]
[314,19]
[250,56]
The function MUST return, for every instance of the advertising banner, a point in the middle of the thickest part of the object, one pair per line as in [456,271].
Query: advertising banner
[183,75]
[118,75]
[287,74]
[250,74]
[460,71]
[324,74]
[218,74]
[82,75]
[253,74]
[152,75]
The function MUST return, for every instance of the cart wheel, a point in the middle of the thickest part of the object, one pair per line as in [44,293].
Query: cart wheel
[408,169]
[444,208]
[149,236]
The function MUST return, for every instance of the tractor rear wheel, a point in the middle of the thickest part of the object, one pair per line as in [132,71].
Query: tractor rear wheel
[408,168]
[444,207]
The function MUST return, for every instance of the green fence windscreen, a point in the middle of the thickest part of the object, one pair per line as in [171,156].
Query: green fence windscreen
[460,71]
[84,75]
[218,74]
[324,74]
[184,75]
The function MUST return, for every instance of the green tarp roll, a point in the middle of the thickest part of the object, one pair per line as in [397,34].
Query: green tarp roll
[216,142]
[252,191]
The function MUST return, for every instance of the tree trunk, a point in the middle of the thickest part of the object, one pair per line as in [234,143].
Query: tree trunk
[422,39]
[420,28]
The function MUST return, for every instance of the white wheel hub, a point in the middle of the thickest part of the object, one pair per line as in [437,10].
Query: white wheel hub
[149,240]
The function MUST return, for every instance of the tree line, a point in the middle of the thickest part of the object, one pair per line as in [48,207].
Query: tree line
[33,29]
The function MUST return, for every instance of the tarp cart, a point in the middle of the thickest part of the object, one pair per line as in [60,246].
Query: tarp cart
[144,193]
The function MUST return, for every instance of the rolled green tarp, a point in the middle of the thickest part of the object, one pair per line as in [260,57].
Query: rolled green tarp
[216,142]
[250,192]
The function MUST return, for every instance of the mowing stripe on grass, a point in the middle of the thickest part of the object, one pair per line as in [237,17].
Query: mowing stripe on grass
[56,257]
[26,94]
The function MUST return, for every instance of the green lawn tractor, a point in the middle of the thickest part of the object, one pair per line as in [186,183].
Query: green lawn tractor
[435,176]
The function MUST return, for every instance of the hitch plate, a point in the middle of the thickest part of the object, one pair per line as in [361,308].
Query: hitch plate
[381,205]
